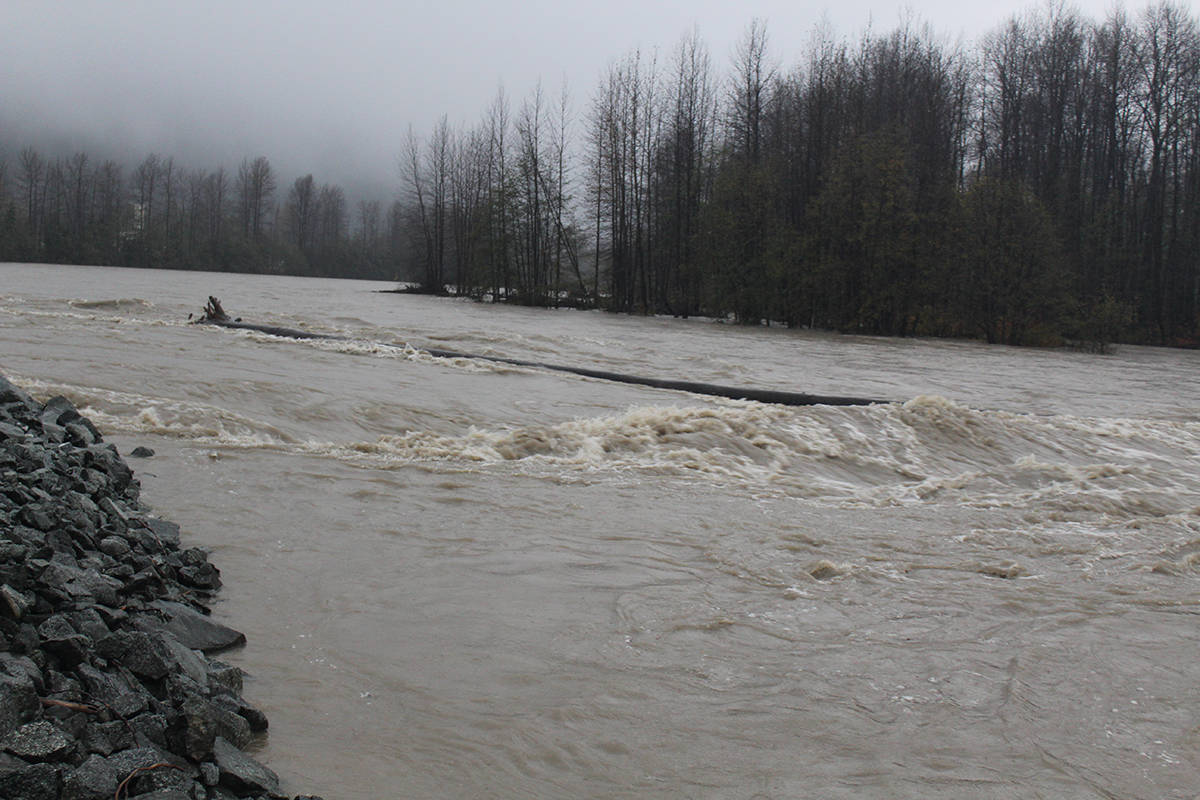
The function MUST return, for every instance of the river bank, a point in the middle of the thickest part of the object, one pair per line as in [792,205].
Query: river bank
[107,687]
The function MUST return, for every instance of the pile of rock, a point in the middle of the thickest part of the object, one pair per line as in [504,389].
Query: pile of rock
[106,690]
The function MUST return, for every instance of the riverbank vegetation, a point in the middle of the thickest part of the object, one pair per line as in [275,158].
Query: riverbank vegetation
[1038,186]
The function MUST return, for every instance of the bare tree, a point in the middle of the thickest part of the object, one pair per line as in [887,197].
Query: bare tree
[30,178]
[300,213]
[754,74]
[427,177]
[255,189]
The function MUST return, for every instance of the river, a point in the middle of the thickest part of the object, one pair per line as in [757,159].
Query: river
[462,579]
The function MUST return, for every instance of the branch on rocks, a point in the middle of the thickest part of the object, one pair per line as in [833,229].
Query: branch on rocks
[123,788]
[83,707]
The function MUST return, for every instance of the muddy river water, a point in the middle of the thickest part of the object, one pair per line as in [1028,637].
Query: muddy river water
[466,579]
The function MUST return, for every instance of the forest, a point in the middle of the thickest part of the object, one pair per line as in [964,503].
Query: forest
[1038,187]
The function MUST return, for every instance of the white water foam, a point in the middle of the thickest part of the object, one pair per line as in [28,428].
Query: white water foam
[118,303]
[402,352]
[927,451]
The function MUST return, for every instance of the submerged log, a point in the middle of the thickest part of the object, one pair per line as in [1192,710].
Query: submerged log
[711,389]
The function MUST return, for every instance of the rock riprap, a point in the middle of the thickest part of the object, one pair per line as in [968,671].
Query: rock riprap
[107,687]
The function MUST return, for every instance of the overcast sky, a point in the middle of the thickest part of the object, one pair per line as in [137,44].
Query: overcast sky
[331,87]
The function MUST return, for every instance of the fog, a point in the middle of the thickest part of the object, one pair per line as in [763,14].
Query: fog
[332,89]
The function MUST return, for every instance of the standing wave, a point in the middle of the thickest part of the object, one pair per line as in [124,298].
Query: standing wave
[927,451]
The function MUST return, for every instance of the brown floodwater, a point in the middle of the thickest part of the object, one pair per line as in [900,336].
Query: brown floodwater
[463,579]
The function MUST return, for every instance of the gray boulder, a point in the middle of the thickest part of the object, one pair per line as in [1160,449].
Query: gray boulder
[94,779]
[18,702]
[241,773]
[195,630]
[39,740]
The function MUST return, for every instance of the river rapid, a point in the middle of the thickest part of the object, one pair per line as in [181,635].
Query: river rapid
[462,579]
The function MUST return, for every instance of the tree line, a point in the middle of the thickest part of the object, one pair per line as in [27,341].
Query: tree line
[1040,185]
[81,211]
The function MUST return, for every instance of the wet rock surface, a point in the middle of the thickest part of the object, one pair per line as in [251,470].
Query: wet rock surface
[107,688]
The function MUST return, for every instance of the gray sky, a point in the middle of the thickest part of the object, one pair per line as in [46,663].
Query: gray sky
[331,88]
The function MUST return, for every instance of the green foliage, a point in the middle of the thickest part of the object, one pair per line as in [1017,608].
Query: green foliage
[862,239]
[739,227]
[1012,267]
[1101,322]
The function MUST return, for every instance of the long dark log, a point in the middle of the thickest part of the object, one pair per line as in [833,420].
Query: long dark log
[712,389]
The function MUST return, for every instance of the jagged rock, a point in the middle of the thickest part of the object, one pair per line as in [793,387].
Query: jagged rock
[25,640]
[39,517]
[114,645]
[21,666]
[39,741]
[224,678]
[144,581]
[104,457]
[111,690]
[10,431]
[256,719]
[164,779]
[196,571]
[55,626]
[166,794]
[18,702]
[88,586]
[54,408]
[111,616]
[133,758]
[10,393]
[203,721]
[115,513]
[14,604]
[195,630]
[22,781]
[240,772]
[89,622]
[63,687]
[184,661]
[81,435]
[106,738]
[210,773]
[148,656]
[147,770]
[12,551]
[114,546]
[166,532]
[94,779]
[69,650]
[150,729]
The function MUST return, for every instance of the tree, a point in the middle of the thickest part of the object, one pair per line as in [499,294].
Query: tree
[1167,54]
[255,190]
[428,176]
[863,238]
[685,174]
[750,91]
[1011,271]
[300,213]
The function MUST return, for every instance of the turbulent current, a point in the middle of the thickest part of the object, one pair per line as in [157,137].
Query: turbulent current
[466,579]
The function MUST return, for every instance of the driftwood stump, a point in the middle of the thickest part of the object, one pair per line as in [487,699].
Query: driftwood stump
[213,311]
